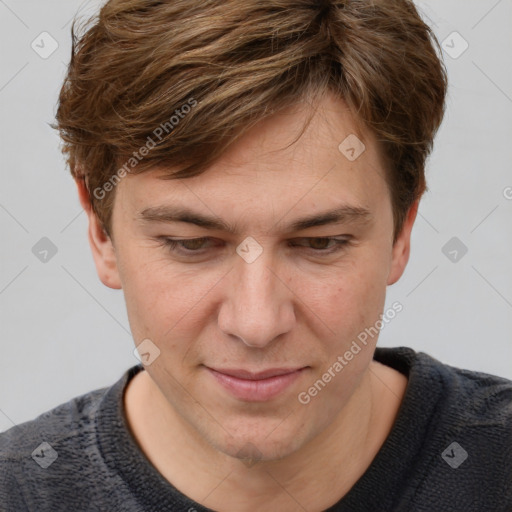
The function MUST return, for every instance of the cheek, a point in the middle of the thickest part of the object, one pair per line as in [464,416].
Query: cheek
[350,308]
[350,300]
[164,302]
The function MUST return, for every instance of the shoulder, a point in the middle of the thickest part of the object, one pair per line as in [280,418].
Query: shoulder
[473,397]
[479,400]
[66,421]
[28,450]
[469,442]
[469,404]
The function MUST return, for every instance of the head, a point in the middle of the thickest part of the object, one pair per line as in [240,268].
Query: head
[252,117]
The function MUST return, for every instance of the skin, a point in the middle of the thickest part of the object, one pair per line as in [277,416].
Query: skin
[290,307]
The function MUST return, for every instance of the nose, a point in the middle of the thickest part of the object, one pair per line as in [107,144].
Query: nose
[258,306]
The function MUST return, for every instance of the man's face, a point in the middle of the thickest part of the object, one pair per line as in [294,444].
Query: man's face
[283,300]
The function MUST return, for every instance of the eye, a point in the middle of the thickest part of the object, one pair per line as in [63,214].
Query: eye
[320,245]
[186,246]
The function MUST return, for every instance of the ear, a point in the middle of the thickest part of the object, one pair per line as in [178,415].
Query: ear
[102,248]
[402,246]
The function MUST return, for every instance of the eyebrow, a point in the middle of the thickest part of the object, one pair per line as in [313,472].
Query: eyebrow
[344,214]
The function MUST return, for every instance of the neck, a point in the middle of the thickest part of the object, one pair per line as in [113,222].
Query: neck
[316,476]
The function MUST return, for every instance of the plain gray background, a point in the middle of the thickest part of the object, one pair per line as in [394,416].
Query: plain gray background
[64,333]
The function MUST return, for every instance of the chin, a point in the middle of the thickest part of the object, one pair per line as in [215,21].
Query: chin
[264,442]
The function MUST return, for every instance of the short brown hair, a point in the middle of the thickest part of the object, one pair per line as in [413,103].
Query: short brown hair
[140,62]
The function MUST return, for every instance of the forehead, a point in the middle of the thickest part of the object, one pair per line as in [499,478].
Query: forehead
[274,168]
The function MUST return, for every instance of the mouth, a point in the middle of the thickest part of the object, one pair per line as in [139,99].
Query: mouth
[256,386]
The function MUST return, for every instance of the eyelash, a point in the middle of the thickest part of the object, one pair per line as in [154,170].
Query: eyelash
[176,245]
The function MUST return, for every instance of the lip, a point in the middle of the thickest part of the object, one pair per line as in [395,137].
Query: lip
[256,386]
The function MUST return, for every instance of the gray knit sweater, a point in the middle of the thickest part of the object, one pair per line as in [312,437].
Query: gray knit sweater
[450,450]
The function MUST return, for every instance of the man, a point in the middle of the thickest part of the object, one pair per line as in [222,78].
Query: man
[251,172]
